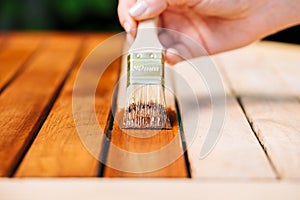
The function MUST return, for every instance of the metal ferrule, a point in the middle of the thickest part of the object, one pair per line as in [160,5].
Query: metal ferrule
[145,68]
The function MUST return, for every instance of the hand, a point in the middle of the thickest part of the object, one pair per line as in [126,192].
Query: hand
[217,25]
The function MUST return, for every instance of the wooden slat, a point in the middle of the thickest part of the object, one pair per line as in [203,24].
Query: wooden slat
[144,143]
[144,189]
[237,154]
[131,152]
[57,150]
[24,104]
[270,102]
[285,59]
[2,42]
[3,37]
[14,55]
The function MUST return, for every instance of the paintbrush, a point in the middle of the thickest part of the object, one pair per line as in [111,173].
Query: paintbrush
[146,104]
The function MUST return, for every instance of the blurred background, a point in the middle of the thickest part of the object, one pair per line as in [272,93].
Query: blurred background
[73,15]
[80,15]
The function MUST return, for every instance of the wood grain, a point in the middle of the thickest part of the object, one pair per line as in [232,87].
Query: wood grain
[269,100]
[13,56]
[145,153]
[58,150]
[262,78]
[237,154]
[24,104]
[285,59]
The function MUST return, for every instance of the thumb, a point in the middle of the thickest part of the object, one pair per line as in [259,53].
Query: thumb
[144,9]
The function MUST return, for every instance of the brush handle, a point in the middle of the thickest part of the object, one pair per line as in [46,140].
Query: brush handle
[147,35]
[149,23]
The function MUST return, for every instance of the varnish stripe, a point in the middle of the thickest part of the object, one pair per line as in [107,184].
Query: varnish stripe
[109,128]
[183,140]
[24,65]
[238,98]
[38,125]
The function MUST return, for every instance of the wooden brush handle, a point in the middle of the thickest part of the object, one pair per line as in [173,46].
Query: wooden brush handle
[147,35]
[149,23]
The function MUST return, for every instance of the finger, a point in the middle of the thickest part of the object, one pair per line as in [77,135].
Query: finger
[185,45]
[166,38]
[172,56]
[126,20]
[196,47]
[184,31]
[177,53]
[225,8]
[129,39]
[145,9]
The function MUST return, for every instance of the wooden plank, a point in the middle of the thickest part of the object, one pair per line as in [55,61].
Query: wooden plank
[2,41]
[145,153]
[63,154]
[3,37]
[139,159]
[25,103]
[288,68]
[237,154]
[145,189]
[16,52]
[269,101]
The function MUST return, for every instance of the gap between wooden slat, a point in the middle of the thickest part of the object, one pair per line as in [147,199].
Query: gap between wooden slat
[108,132]
[254,132]
[183,141]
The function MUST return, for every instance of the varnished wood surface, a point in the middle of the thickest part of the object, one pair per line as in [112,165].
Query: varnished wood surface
[26,101]
[141,145]
[15,52]
[57,150]
[38,135]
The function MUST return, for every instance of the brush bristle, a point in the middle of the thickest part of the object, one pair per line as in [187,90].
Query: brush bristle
[146,108]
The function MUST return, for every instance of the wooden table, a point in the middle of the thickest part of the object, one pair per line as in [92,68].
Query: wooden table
[257,155]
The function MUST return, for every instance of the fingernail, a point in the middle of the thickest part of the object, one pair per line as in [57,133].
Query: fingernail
[138,9]
[172,56]
[172,51]
[129,38]
[127,27]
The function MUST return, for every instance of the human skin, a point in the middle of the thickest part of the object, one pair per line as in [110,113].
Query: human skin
[216,25]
